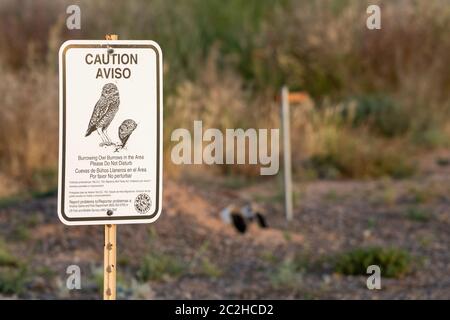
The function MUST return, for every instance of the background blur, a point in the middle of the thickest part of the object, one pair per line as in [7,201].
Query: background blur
[371,150]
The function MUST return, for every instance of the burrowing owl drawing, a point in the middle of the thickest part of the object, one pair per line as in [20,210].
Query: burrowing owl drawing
[104,111]
[125,130]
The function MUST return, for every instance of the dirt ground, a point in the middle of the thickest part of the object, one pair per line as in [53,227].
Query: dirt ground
[214,261]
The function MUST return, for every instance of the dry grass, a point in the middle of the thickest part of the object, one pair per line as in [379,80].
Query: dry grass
[224,63]
[219,100]
[28,124]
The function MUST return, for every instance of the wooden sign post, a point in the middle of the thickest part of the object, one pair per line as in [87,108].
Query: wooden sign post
[109,262]
[110,246]
[110,138]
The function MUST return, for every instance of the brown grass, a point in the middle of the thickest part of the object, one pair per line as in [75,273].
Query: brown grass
[28,123]
[228,78]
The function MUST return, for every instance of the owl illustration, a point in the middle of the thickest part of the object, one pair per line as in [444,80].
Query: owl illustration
[104,111]
[125,129]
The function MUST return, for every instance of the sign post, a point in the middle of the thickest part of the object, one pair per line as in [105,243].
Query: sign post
[110,247]
[109,262]
[110,138]
[286,99]
[287,170]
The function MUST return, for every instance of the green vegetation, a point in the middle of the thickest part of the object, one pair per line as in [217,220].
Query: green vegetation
[418,214]
[333,195]
[13,280]
[210,269]
[157,266]
[394,263]
[371,223]
[369,115]
[13,274]
[96,277]
[389,196]
[268,256]
[422,194]
[44,182]
[22,226]
[20,232]
[46,272]
[381,114]
[123,261]
[347,154]
[7,259]
[9,201]
[288,273]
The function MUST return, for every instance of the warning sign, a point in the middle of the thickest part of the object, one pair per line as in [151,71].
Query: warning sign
[110,159]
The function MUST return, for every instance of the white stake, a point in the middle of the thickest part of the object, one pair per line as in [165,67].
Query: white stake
[287,169]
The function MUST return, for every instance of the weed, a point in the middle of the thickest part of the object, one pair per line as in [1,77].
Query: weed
[426,240]
[289,272]
[421,194]
[430,138]
[382,114]
[9,201]
[33,220]
[347,154]
[389,196]
[394,263]
[123,261]
[96,277]
[333,196]
[152,233]
[46,272]
[286,275]
[6,258]
[13,280]
[13,274]
[371,223]
[20,233]
[156,266]
[268,257]
[210,269]
[287,236]
[418,214]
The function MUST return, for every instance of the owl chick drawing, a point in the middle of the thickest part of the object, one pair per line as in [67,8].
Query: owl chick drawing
[104,112]
[125,130]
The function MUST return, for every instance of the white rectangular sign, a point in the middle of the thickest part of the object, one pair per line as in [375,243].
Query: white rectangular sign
[110,132]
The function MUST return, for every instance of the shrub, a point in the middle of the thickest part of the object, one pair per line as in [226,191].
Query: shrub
[352,154]
[382,114]
[12,280]
[210,269]
[286,275]
[6,258]
[418,214]
[394,263]
[13,274]
[156,266]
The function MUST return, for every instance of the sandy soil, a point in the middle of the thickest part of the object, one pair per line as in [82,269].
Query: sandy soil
[330,217]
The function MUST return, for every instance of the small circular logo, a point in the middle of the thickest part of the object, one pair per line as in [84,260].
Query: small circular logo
[142,203]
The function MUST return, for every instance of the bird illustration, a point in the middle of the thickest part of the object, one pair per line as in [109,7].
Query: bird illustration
[104,111]
[125,130]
